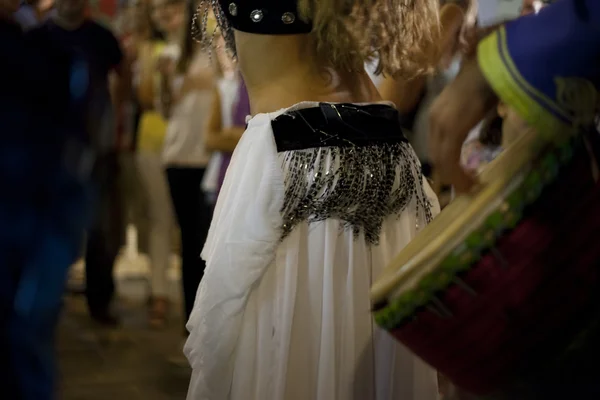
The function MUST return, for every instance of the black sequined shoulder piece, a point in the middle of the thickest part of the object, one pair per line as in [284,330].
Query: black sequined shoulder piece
[348,162]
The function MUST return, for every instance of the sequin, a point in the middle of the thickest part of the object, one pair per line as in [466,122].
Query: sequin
[256,15]
[359,186]
[233,9]
[288,18]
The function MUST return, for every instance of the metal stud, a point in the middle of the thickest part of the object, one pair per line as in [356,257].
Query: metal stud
[233,9]
[256,16]
[288,18]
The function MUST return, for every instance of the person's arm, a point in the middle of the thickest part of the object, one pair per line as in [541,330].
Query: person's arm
[217,138]
[213,126]
[120,88]
[120,74]
[466,101]
[145,88]
[226,140]
[120,85]
[167,90]
[230,139]
[458,109]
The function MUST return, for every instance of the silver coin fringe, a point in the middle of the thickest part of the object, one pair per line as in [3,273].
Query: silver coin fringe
[359,186]
[200,25]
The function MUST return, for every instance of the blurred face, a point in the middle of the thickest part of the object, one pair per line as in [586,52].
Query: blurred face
[512,124]
[71,9]
[531,7]
[139,17]
[45,5]
[168,15]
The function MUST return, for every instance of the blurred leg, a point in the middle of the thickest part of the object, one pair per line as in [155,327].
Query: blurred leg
[11,262]
[104,238]
[160,224]
[99,260]
[160,215]
[194,216]
[134,198]
[36,307]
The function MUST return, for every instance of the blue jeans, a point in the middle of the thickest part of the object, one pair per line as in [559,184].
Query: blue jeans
[39,240]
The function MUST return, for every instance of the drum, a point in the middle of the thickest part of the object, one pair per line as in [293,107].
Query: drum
[505,282]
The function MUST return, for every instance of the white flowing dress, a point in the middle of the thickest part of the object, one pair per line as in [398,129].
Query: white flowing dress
[283,310]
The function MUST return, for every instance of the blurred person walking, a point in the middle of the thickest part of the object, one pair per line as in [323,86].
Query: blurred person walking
[44,202]
[155,83]
[71,31]
[185,98]
[138,36]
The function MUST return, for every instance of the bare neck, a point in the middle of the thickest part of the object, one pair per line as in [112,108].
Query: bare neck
[280,71]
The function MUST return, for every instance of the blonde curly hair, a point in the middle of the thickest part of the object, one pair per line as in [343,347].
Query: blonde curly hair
[401,35]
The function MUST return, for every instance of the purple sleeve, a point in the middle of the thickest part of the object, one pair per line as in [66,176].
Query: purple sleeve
[242,107]
[241,110]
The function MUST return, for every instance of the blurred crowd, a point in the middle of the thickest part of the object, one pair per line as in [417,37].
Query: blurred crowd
[140,132]
[161,119]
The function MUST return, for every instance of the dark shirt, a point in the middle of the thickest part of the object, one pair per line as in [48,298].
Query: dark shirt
[101,51]
[34,99]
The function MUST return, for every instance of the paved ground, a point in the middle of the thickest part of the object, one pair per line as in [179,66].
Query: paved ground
[128,363]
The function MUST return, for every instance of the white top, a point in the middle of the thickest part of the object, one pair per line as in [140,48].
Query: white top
[287,319]
[184,140]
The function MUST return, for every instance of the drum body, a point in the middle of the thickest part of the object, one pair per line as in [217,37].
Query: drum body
[499,308]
